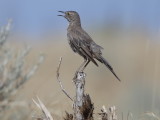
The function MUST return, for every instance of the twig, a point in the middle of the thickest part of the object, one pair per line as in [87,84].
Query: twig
[129,115]
[150,114]
[60,83]
[44,110]
[108,114]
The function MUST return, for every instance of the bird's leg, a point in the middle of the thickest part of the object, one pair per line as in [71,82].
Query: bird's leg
[85,65]
[80,69]
[81,66]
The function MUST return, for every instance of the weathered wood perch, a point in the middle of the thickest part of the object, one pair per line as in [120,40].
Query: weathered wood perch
[83,107]
[82,104]
[78,102]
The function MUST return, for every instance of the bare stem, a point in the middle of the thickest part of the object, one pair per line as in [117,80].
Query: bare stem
[60,83]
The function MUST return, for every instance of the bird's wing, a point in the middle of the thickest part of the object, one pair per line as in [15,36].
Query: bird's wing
[81,44]
[95,49]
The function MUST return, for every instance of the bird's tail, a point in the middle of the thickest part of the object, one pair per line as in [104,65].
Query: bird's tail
[104,61]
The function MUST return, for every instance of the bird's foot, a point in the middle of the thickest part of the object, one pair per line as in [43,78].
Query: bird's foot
[76,74]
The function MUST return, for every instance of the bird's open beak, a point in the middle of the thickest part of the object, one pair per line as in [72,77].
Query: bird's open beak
[63,13]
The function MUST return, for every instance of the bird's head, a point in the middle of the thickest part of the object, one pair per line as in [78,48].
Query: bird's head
[71,16]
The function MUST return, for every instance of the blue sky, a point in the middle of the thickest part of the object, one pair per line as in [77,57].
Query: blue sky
[34,17]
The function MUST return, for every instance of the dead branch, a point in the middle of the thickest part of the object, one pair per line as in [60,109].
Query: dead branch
[60,83]
[129,115]
[87,108]
[83,107]
[78,102]
[41,106]
[68,116]
[109,114]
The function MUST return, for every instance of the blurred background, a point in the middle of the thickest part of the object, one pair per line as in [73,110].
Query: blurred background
[129,32]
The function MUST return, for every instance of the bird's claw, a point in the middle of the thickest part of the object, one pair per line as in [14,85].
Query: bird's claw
[75,76]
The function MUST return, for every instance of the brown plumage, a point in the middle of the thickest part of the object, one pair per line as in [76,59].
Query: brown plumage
[82,43]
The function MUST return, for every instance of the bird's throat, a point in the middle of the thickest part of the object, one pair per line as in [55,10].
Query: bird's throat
[75,23]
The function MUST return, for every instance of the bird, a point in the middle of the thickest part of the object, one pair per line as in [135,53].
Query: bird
[81,43]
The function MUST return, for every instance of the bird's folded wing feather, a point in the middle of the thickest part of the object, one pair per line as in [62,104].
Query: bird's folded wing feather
[81,42]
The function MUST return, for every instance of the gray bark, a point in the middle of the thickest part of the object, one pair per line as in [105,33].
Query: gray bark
[78,102]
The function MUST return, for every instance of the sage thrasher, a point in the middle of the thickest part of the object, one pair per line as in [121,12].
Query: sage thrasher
[82,43]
